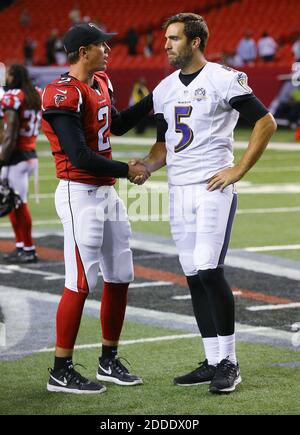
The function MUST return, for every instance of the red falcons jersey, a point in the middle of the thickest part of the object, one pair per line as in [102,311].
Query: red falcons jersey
[94,106]
[30,120]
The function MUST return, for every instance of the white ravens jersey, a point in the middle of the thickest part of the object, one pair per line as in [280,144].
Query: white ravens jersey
[200,121]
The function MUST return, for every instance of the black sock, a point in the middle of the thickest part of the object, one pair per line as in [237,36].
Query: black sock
[220,298]
[62,363]
[109,352]
[201,307]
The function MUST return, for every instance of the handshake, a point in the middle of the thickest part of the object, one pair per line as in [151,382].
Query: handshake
[138,172]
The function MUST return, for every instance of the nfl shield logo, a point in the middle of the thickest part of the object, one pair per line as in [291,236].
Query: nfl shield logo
[200,94]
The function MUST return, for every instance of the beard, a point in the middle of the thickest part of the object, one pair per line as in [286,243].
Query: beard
[183,59]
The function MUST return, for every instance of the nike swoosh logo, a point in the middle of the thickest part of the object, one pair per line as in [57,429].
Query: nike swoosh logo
[60,90]
[64,383]
[108,372]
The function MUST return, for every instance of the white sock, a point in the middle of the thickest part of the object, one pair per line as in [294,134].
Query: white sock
[20,245]
[227,347]
[29,248]
[211,348]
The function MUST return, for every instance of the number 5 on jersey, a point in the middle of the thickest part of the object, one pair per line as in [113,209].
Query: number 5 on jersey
[181,127]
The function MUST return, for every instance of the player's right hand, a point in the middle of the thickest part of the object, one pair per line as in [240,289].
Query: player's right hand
[138,172]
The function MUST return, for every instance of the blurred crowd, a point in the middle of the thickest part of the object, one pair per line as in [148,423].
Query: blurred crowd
[54,50]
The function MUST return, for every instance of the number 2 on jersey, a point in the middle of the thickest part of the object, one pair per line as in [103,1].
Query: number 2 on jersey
[184,129]
[103,142]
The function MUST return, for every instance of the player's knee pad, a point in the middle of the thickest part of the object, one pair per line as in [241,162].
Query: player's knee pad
[206,256]
[89,227]
[187,263]
[119,268]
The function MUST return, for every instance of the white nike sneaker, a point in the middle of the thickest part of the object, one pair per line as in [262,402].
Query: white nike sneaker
[112,370]
[68,380]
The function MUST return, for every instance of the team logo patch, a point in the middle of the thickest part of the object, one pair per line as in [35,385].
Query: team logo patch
[243,81]
[58,99]
[200,94]
[228,68]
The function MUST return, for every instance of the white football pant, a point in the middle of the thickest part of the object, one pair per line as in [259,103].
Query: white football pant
[96,235]
[201,223]
[18,176]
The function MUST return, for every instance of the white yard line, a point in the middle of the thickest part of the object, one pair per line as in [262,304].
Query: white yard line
[273,307]
[142,141]
[241,187]
[126,342]
[186,297]
[150,284]
[276,169]
[27,271]
[268,210]
[234,260]
[272,248]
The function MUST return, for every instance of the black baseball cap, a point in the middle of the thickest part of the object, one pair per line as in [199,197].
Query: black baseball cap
[83,35]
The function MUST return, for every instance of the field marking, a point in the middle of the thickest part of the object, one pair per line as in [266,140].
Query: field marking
[46,275]
[187,297]
[16,305]
[232,259]
[142,141]
[150,284]
[127,342]
[241,188]
[273,307]
[51,276]
[268,210]
[275,169]
[2,334]
[272,248]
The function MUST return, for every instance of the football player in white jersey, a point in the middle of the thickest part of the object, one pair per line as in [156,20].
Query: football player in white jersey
[197,108]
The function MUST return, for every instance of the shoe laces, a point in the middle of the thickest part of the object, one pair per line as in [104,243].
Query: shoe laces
[74,375]
[119,367]
[71,374]
[226,367]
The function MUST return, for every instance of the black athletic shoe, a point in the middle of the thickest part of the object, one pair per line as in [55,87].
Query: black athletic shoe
[202,375]
[227,377]
[28,257]
[112,370]
[68,380]
[14,256]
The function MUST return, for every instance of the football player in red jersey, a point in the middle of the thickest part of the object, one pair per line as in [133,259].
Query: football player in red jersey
[78,117]
[21,104]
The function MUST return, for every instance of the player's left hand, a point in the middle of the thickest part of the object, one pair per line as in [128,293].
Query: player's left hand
[224,178]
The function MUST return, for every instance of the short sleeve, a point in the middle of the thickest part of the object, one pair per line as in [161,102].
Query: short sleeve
[238,86]
[12,100]
[157,101]
[57,98]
